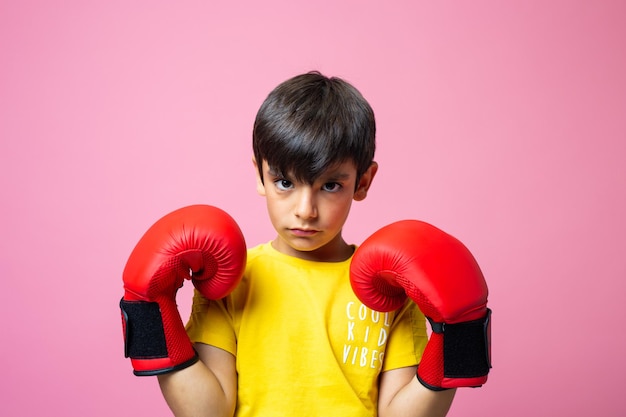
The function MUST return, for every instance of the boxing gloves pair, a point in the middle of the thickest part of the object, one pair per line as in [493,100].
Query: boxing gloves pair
[201,243]
[436,271]
[407,258]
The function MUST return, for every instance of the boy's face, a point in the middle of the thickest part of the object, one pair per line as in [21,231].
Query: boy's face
[309,217]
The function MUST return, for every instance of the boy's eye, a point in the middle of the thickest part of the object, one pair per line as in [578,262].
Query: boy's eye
[283,184]
[331,187]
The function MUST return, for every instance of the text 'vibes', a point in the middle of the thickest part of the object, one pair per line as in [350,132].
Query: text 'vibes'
[367,332]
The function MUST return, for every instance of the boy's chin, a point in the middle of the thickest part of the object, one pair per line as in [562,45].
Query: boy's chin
[327,252]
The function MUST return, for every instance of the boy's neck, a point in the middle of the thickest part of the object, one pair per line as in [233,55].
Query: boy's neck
[336,251]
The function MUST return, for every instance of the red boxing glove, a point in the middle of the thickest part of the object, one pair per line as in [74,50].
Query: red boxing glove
[415,259]
[199,242]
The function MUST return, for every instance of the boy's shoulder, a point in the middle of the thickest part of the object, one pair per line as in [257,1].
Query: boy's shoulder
[265,253]
[261,254]
[258,250]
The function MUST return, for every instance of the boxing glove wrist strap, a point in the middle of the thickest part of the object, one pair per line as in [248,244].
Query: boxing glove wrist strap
[466,347]
[144,336]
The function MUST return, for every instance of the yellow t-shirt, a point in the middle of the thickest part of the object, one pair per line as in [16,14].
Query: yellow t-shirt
[304,344]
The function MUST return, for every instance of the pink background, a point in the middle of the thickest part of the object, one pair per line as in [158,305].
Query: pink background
[503,123]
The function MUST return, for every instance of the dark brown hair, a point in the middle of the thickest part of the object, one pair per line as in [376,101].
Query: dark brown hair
[311,122]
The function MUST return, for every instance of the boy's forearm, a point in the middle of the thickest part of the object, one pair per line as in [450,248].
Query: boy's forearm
[195,391]
[417,401]
[401,394]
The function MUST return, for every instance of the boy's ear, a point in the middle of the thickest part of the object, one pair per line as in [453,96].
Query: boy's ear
[260,188]
[365,182]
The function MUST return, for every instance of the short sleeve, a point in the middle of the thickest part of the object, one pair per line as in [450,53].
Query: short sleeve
[211,323]
[407,338]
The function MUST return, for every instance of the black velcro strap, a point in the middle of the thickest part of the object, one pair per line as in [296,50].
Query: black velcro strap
[144,336]
[467,348]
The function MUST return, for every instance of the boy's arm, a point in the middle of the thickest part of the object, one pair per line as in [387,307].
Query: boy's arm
[207,388]
[401,394]
[438,273]
[204,244]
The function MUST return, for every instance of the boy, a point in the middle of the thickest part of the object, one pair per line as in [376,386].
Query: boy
[293,339]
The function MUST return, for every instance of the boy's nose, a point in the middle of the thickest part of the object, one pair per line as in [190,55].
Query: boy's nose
[305,205]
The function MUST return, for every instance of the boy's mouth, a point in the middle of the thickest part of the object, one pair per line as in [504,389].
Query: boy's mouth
[303,232]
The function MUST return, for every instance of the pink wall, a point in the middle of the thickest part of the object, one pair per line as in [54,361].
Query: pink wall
[501,122]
